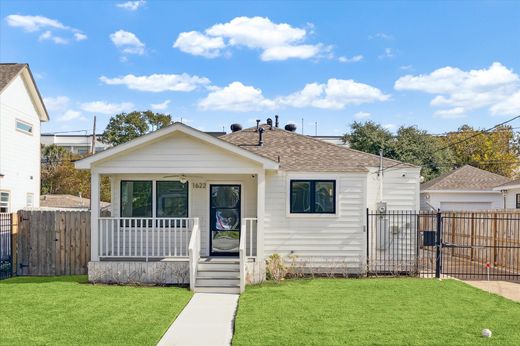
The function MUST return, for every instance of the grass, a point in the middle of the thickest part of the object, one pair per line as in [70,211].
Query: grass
[70,311]
[374,311]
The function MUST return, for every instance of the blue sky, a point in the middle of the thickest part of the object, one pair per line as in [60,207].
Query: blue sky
[437,65]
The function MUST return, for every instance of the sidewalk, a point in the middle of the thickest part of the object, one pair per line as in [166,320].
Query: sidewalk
[206,320]
[509,290]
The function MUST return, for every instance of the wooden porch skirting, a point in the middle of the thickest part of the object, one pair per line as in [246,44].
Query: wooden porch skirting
[163,272]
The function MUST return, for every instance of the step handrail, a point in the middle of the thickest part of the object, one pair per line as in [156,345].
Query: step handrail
[242,254]
[194,252]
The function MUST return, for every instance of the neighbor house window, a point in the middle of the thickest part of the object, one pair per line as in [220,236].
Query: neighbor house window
[29,203]
[171,199]
[313,197]
[518,201]
[4,202]
[136,198]
[24,127]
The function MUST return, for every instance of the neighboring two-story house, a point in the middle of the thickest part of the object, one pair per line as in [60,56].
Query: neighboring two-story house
[21,112]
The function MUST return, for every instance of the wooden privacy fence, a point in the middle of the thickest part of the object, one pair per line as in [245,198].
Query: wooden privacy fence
[53,242]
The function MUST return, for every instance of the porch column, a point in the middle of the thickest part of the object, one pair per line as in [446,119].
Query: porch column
[260,211]
[94,215]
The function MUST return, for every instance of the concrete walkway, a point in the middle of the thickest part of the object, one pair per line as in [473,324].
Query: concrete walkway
[506,289]
[206,320]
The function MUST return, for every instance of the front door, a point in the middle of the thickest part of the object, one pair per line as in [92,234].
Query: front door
[224,219]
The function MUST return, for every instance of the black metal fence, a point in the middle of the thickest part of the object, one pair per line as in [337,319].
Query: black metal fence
[465,245]
[6,248]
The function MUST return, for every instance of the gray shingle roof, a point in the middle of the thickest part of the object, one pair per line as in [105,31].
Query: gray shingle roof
[298,152]
[465,178]
[510,183]
[8,72]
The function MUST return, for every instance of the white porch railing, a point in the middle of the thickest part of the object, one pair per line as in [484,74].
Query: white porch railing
[132,237]
[247,247]
[194,253]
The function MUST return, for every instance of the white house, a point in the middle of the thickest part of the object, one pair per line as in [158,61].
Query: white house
[21,111]
[76,143]
[466,188]
[189,207]
[511,194]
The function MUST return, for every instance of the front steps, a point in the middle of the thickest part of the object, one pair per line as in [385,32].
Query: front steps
[218,275]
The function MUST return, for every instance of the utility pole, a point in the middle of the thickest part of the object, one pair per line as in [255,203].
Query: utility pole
[302,127]
[93,145]
[381,175]
[315,128]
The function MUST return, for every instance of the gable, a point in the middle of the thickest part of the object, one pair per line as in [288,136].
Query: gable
[16,103]
[180,153]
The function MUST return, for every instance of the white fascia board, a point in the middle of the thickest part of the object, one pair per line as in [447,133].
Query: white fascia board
[505,188]
[459,191]
[87,162]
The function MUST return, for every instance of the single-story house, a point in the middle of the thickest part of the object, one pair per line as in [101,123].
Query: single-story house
[189,207]
[511,194]
[466,188]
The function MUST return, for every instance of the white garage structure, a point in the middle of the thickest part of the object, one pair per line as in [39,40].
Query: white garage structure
[466,189]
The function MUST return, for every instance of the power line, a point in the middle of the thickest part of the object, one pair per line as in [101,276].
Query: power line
[454,143]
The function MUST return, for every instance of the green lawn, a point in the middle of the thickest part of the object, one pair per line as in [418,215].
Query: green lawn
[374,311]
[70,311]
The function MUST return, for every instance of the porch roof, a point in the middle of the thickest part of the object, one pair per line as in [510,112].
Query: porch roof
[86,163]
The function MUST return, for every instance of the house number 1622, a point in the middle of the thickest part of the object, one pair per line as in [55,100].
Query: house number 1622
[199,185]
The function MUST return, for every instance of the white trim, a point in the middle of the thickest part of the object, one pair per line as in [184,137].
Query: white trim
[459,191]
[87,162]
[506,188]
[17,120]
[173,170]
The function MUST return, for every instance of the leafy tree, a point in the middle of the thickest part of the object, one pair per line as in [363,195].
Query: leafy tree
[418,147]
[127,126]
[370,137]
[495,151]
[59,176]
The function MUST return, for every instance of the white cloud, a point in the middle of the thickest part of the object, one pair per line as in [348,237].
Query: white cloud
[101,107]
[128,42]
[70,115]
[458,91]
[159,82]
[131,5]
[78,36]
[40,23]
[390,127]
[355,58]
[509,106]
[56,103]
[381,35]
[47,35]
[453,113]
[387,54]
[236,97]
[362,115]
[160,106]
[336,94]
[33,23]
[276,41]
[196,43]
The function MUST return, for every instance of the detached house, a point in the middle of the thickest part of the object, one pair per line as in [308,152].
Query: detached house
[21,112]
[189,207]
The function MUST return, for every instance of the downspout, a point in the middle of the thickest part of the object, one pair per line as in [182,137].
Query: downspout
[380,175]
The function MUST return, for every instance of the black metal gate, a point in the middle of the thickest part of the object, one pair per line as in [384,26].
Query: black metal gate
[464,245]
[6,248]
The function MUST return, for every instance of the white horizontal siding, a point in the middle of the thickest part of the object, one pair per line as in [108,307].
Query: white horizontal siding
[458,200]
[178,151]
[315,238]
[400,189]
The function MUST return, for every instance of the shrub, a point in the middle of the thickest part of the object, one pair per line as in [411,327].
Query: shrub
[275,268]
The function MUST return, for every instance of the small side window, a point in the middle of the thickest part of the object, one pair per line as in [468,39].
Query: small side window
[518,201]
[24,127]
[30,200]
[4,202]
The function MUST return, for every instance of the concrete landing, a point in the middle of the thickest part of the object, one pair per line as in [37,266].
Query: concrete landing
[206,320]
[509,290]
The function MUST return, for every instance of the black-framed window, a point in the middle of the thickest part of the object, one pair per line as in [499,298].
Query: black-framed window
[171,199]
[136,198]
[313,197]
[518,201]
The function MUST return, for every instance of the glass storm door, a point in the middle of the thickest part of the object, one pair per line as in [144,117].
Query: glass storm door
[224,220]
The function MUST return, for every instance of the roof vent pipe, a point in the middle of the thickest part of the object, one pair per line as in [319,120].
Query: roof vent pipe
[260,136]
[235,127]
[290,127]
[270,123]
[276,120]
[257,124]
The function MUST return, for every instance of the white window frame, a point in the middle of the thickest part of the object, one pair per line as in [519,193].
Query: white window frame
[8,200]
[31,204]
[26,123]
